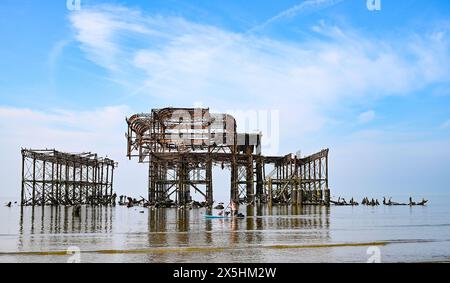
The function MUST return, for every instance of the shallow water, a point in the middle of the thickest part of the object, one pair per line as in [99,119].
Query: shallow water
[277,234]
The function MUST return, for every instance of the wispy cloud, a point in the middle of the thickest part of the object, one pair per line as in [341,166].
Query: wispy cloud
[54,54]
[179,62]
[308,6]
[366,117]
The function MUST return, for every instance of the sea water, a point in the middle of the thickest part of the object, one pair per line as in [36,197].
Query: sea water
[267,234]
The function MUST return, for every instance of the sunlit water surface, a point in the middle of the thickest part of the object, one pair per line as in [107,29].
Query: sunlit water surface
[277,234]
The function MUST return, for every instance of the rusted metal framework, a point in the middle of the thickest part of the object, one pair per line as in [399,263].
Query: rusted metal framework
[181,146]
[51,177]
[298,180]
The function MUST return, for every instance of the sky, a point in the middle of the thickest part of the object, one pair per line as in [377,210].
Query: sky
[373,85]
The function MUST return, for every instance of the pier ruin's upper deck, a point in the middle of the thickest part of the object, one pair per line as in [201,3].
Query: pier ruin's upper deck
[182,130]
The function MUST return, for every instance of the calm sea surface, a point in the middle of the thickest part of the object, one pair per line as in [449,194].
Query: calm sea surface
[279,234]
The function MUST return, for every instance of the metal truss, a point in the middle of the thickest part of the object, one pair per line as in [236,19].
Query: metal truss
[51,177]
[298,180]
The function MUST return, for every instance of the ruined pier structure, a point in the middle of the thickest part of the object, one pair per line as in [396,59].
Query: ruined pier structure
[50,177]
[181,146]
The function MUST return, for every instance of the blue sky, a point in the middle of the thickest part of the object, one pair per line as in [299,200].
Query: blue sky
[374,86]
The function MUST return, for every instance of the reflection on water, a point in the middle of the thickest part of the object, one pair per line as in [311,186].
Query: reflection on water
[58,219]
[267,234]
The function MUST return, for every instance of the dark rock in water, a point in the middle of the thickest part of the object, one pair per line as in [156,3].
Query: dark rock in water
[8,204]
[423,202]
[193,204]
[219,207]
